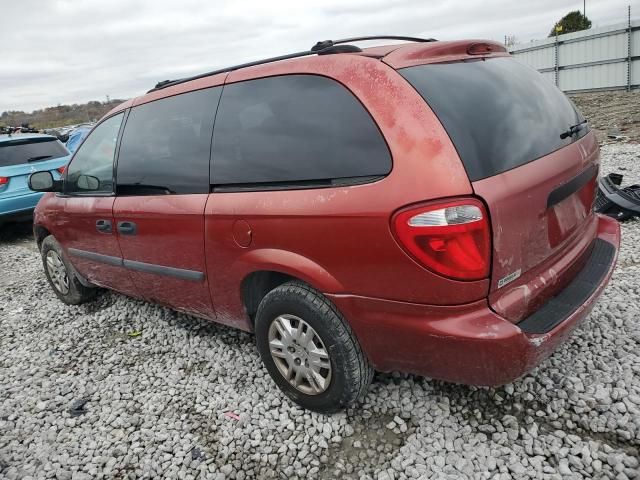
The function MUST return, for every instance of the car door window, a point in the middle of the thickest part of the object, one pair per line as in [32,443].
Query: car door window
[166,145]
[91,170]
[294,130]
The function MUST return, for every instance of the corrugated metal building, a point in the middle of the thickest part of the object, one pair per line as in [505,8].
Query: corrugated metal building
[596,59]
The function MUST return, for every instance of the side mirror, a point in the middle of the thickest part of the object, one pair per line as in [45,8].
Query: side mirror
[88,182]
[44,182]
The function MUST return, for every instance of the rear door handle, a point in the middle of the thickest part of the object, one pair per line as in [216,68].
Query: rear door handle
[127,228]
[103,226]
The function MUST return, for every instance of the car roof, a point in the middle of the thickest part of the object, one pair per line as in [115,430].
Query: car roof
[20,136]
[396,56]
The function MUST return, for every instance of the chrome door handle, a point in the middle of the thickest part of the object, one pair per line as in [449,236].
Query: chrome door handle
[127,228]
[103,226]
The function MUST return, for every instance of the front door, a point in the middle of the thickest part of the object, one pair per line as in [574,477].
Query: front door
[85,225]
[162,186]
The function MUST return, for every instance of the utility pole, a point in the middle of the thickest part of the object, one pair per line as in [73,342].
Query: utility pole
[629,48]
[555,55]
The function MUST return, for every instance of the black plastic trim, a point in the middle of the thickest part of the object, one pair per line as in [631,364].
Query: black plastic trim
[574,295]
[180,273]
[320,48]
[618,195]
[340,49]
[572,186]
[295,185]
[162,270]
[96,257]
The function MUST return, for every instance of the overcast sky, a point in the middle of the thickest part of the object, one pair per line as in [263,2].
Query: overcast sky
[72,51]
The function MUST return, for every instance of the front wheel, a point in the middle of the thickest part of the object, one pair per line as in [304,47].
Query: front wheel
[61,275]
[309,349]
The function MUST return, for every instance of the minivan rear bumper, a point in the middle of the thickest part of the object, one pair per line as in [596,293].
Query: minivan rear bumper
[468,344]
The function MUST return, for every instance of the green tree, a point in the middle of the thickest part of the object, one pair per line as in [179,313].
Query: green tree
[571,22]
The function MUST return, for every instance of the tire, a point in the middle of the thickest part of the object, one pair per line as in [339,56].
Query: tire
[71,291]
[327,389]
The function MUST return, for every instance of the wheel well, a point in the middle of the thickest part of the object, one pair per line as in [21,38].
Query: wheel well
[40,233]
[256,285]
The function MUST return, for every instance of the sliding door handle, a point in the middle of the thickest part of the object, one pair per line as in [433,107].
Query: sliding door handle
[103,226]
[127,228]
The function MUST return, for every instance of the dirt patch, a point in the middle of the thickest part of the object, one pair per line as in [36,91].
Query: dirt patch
[607,111]
[375,442]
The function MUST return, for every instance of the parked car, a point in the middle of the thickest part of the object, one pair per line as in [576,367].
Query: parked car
[61,133]
[423,207]
[76,136]
[21,155]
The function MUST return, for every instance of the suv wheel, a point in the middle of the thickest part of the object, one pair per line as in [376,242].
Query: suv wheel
[309,349]
[61,275]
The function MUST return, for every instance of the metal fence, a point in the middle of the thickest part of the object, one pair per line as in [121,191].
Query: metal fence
[605,58]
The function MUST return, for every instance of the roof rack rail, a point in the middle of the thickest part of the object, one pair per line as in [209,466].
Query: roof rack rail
[329,43]
[324,47]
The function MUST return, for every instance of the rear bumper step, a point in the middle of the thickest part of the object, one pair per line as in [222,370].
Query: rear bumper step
[560,307]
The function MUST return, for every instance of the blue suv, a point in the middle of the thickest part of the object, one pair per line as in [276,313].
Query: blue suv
[20,156]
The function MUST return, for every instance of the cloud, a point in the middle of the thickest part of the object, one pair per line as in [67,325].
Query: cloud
[70,51]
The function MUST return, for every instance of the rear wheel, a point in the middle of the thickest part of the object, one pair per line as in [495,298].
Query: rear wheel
[309,349]
[61,275]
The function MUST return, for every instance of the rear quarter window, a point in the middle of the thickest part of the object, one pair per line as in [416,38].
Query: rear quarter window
[303,129]
[499,113]
[25,150]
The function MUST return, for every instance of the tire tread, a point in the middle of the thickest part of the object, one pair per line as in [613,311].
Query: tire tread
[78,293]
[357,366]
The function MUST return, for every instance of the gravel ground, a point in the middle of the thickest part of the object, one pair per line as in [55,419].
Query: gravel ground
[613,111]
[83,396]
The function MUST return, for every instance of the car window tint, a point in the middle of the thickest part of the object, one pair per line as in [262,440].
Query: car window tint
[499,113]
[28,149]
[294,128]
[166,145]
[95,159]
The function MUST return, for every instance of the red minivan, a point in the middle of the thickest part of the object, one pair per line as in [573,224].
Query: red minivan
[424,207]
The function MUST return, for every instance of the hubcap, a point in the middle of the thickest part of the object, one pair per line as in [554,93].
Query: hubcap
[57,272]
[299,354]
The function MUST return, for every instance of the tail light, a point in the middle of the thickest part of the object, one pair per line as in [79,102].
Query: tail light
[451,239]
[4,181]
[61,169]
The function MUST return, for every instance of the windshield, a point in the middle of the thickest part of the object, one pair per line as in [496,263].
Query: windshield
[24,150]
[499,113]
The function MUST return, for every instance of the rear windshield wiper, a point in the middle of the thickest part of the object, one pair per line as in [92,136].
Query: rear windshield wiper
[38,157]
[573,129]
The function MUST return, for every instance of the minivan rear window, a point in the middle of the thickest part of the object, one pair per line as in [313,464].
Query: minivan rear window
[499,113]
[25,150]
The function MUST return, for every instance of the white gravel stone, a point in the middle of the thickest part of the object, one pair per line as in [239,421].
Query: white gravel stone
[155,403]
